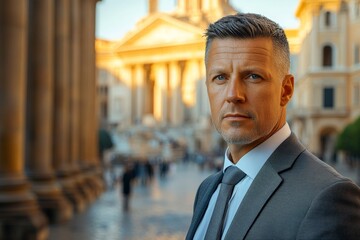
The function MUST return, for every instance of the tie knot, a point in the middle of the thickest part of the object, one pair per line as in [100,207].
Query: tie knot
[232,175]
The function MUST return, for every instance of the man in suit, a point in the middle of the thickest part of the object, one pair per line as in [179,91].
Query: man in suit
[287,193]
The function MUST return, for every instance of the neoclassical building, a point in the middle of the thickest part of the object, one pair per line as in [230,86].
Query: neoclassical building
[155,70]
[155,74]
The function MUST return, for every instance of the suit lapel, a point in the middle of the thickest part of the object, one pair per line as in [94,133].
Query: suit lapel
[259,192]
[206,191]
[263,187]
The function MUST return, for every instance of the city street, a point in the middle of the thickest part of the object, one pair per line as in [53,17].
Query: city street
[159,210]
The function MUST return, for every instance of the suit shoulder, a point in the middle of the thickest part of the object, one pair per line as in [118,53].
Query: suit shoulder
[320,172]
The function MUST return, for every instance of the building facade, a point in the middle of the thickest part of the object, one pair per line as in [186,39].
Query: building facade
[327,69]
[154,76]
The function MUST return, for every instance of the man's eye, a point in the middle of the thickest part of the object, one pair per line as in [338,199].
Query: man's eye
[254,76]
[220,78]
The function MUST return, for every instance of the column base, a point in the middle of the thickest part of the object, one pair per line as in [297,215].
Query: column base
[70,190]
[95,182]
[57,208]
[23,226]
[20,215]
[85,189]
[90,186]
[51,199]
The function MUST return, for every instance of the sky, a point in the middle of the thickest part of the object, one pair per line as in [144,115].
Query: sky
[114,18]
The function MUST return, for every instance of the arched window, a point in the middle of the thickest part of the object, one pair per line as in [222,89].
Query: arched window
[327,19]
[327,56]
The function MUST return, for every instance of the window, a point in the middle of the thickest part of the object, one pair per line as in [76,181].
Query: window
[327,56]
[328,97]
[327,19]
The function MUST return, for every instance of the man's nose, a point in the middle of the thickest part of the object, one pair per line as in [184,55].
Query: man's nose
[235,91]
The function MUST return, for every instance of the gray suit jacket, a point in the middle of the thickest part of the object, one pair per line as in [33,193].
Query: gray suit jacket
[294,196]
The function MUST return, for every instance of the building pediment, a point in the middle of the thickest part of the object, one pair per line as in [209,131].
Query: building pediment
[160,30]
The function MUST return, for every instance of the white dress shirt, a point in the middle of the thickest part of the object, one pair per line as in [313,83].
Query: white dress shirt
[250,164]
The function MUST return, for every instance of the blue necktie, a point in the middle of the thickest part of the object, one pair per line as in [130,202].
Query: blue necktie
[231,177]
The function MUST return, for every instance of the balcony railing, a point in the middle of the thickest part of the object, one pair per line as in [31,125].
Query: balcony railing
[318,112]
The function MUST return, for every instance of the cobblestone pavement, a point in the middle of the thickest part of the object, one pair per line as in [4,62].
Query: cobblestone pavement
[159,210]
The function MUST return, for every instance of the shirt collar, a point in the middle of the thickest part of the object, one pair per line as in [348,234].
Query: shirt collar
[252,162]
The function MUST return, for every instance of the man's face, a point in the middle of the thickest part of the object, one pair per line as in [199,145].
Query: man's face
[246,91]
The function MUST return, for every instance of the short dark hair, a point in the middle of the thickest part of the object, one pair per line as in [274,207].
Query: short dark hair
[250,25]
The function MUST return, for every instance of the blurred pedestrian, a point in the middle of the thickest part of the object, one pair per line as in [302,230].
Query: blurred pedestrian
[149,171]
[164,168]
[127,178]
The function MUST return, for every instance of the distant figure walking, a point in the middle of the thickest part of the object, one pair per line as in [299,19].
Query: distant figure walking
[127,178]
[149,171]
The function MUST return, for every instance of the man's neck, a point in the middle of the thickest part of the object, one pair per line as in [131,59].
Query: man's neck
[237,151]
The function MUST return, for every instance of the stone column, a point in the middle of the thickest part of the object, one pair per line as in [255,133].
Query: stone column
[61,87]
[98,170]
[195,10]
[84,128]
[182,6]
[125,74]
[75,88]
[202,108]
[88,115]
[20,216]
[139,82]
[190,76]
[160,92]
[206,5]
[75,45]
[39,113]
[176,114]
[148,94]
[61,136]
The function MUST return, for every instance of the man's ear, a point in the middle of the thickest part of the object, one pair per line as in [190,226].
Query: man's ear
[287,89]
